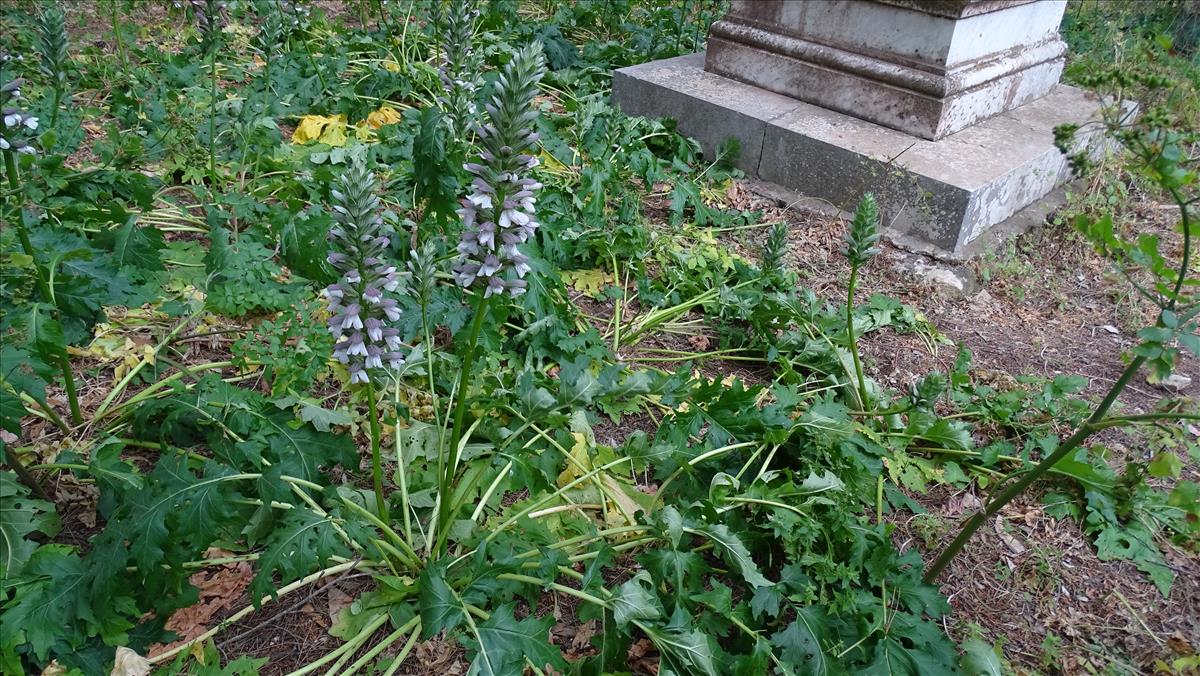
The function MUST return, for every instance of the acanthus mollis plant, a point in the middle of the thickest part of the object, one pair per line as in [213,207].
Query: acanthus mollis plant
[361,303]
[498,217]
[460,66]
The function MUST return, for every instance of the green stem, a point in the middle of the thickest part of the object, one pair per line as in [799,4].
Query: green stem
[1093,423]
[54,109]
[858,369]
[1186,223]
[23,473]
[116,25]
[43,286]
[376,460]
[460,412]
[212,111]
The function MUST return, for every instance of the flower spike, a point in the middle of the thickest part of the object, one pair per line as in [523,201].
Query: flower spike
[498,215]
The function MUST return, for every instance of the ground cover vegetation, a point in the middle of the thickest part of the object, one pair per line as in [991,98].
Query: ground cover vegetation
[388,291]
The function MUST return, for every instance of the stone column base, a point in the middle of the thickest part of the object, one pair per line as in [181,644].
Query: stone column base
[946,193]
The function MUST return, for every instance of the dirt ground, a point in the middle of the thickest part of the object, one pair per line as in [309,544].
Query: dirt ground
[1048,305]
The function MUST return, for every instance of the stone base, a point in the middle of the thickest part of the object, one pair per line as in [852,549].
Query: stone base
[945,193]
[924,67]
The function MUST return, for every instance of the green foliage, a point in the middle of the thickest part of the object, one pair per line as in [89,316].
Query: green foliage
[20,516]
[736,527]
[293,349]
[243,277]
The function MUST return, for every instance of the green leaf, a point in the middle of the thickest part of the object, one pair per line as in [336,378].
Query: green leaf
[981,659]
[45,333]
[301,543]
[949,434]
[634,601]
[54,610]
[1135,543]
[505,643]
[1165,464]
[734,552]
[577,385]
[799,643]
[915,647]
[1191,343]
[312,412]
[134,245]
[21,515]
[12,409]
[440,609]
[686,652]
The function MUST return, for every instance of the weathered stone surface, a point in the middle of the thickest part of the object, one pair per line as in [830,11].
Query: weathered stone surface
[946,193]
[924,67]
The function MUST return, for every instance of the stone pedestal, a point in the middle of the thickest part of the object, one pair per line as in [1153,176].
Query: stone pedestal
[925,67]
[945,109]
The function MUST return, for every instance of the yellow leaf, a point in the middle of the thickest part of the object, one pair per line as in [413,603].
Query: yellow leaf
[385,115]
[579,462]
[310,128]
[391,66]
[335,131]
[591,282]
[362,132]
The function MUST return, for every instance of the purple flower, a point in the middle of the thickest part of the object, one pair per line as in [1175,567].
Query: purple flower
[361,311]
[499,213]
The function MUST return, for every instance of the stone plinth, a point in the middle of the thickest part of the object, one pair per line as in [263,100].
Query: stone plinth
[925,67]
[946,193]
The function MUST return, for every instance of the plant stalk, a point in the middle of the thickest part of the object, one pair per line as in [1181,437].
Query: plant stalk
[376,460]
[460,412]
[861,383]
[43,286]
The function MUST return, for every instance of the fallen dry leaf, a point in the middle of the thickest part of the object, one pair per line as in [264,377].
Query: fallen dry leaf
[221,588]
[338,600]
[1009,541]
[129,663]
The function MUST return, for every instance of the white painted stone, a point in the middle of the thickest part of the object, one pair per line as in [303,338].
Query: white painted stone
[926,67]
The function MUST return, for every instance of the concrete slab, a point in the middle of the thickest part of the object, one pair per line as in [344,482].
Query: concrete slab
[947,193]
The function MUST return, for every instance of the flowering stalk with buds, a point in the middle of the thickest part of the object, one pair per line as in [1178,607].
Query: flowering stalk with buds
[52,52]
[362,313]
[210,17]
[498,217]
[460,66]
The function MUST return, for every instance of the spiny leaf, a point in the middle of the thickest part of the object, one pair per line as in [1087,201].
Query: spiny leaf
[634,601]
[734,552]
[505,643]
[301,543]
[440,609]
[134,245]
[800,642]
[21,515]
[686,652]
